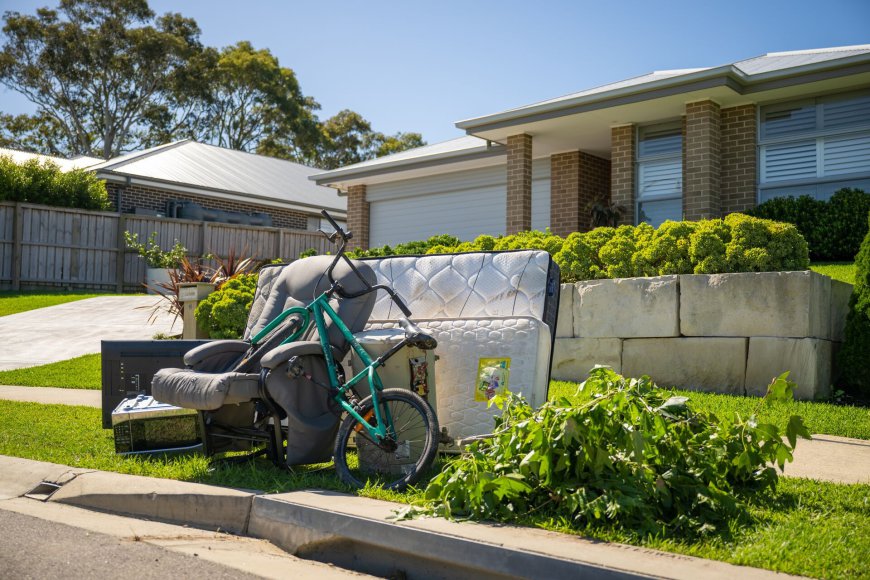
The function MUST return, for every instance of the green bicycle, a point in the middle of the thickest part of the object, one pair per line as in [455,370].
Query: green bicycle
[391,434]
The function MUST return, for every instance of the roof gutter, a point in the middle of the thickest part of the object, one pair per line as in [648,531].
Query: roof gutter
[727,75]
[127,179]
[348,173]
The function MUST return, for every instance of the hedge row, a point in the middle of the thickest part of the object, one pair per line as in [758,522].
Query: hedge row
[738,243]
[43,182]
[854,356]
[833,229]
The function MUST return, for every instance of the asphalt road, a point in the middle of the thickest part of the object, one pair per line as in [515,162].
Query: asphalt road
[35,548]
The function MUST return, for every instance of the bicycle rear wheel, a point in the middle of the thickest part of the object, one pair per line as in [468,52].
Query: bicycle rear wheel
[398,461]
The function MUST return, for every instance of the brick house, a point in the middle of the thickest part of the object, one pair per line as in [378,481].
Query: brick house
[678,144]
[186,179]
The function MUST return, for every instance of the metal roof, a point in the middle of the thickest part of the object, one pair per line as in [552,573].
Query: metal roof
[80,162]
[744,72]
[191,164]
[444,150]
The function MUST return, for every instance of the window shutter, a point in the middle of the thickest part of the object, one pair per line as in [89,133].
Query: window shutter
[850,154]
[784,122]
[846,113]
[660,178]
[789,161]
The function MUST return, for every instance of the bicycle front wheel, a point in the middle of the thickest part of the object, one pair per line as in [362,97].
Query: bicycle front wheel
[401,459]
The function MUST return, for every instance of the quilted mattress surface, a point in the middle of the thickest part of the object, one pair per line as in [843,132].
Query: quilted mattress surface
[481,307]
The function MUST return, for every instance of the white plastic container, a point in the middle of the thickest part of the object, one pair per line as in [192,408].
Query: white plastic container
[410,368]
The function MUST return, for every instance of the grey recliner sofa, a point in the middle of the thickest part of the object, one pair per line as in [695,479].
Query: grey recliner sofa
[243,397]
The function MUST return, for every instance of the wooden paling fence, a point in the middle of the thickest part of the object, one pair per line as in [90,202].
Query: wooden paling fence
[51,246]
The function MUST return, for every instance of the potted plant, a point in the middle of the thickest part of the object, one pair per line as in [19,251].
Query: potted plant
[160,263]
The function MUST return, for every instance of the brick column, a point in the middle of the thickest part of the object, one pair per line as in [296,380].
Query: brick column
[519,183]
[358,217]
[702,197]
[622,178]
[576,179]
[739,174]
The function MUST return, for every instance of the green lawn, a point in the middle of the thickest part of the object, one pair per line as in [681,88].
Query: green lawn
[15,302]
[822,418]
[842,271]
[806,527]
[843,420]
[82,372]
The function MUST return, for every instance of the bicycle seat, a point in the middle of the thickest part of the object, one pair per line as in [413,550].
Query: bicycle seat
[416,337]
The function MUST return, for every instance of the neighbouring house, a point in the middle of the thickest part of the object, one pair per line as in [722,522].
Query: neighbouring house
[80,162]
[191,180]
[678,144]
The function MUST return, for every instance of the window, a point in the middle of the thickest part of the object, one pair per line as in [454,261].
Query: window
[815,147]
[659,174]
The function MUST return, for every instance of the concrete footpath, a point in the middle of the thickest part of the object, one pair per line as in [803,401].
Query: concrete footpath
[73,329]
[355,533]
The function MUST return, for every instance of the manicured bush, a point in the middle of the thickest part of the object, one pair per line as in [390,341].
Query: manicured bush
[224,313]
[833,229]
[739,243]
[44,183]
[854,356]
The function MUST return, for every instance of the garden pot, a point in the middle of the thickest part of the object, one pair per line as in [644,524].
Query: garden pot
[156,276]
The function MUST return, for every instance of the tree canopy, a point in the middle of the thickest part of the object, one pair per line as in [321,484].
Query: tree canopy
[110,76]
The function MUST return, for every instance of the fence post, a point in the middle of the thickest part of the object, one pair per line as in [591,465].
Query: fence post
[122,253]
[202,239]
[17,235]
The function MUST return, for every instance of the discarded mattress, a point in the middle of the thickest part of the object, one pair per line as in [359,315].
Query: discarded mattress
[494,316]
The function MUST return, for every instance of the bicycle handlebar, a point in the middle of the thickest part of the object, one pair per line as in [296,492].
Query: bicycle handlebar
[345,236]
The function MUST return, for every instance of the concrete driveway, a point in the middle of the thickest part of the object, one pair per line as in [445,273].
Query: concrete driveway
[69,330]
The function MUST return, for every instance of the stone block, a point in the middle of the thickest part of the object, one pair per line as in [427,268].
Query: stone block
[841,292]
[807,359]
[627,308]
[711,364]
[784,304]
[573,358]
[565,322]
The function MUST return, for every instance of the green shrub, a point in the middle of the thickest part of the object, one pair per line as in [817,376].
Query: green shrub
[739,243]
[153,254]
[43,182]
[224,313]
[634,457]
[833,229]
[854,356]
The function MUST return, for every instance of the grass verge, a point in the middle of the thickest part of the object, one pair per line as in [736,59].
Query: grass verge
[15,302]
[821,418]
[82,372]
[842,271]
[810,528]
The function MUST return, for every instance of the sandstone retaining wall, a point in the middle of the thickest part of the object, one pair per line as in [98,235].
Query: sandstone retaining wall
[729,333]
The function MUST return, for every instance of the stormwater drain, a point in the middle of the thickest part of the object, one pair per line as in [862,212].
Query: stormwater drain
[43,491]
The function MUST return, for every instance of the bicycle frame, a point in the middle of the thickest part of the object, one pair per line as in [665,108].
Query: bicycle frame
[318,310]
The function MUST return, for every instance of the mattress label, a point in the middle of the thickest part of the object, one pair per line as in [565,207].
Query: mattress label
[493,375]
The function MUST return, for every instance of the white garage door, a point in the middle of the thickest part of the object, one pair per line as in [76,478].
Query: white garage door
[464,204]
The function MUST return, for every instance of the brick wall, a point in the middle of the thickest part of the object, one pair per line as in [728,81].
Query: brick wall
[135,196]
[739,170]
[519,183]
[622,182]
[702,167]
[564,193]
[358,217]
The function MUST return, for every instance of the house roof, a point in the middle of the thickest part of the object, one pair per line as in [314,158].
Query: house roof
[80,162]
[253,178]
[741,74]
[775,75]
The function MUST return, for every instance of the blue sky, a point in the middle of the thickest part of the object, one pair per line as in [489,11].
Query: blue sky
[413,66]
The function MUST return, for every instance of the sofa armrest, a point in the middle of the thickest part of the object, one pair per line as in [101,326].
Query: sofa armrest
[285,352]
[216,355]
